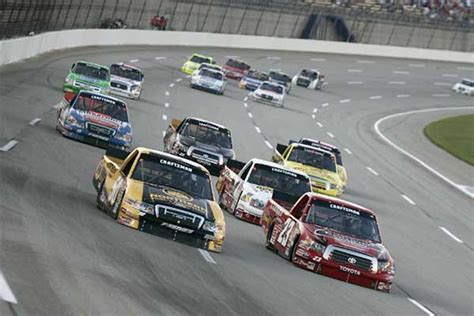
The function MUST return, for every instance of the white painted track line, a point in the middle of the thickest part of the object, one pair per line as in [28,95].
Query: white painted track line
[164,133]
[268,144]
[246,105]
[207,256]
[171,85]
[403,95]
[375,97]
[419,161]
[372,171]
[134,61]
[345,101]
[324,105]
[365,62]
[354,70]
[466,68]
[417,65]
[159,58]
[330,134]
[318,59]
[250,115]
[34,121]
[6,293]
[246,99]
[164,117]
[399,72]
[355,82]
[441,95]
[8,146]
[397,82]
[442,84]
[424,309]
[315,110]
[408,199]
[348,151]
[167,93]
[232,56]
[319,124]
[450,234]
[313,116]
[450,75]
[258,129]
[273,57]
[167,105]
[179,80]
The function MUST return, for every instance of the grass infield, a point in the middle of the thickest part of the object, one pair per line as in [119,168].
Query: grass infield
[455,135]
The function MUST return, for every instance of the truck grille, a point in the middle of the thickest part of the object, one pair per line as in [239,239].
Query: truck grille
[267,97]
[100,130]
[118,85]
[205,156]
[302,82]
[352,258]
[179,217]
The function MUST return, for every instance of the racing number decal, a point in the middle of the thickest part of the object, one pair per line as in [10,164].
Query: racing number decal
[285,233]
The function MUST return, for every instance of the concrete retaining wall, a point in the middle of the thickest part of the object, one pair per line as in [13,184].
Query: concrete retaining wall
[17,49]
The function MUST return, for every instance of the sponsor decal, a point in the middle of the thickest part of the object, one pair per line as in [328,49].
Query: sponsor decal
[263,188]
[203,124]
[176,201]
[286,172]
[344,208]
[178,195]
[101,98]
[178,228]
[175,165]
[349,270]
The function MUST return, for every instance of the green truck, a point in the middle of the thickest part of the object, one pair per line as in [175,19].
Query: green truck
[84,75]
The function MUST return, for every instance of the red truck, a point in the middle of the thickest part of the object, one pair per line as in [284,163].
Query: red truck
[331,237]
[235,69]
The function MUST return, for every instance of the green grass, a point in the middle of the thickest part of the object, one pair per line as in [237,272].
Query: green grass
[455,135]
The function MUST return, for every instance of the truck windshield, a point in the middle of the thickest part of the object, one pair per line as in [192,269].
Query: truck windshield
[258,76]
[200,60]
[278,76]
[126,72]
[237,64]
[313,158]
[99,104]
[279,179]
[207,133]
[95,72]
[271,87]
[166,172]
[310,74]
[211,74]
[334,150]
[344,219]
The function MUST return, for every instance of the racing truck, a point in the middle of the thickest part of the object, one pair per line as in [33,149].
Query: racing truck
[341,170]
[235,69]
[126,80]
[252,80]
[94,118]
[193,63]
[209,80]
[309,78]
[244,189]
[281,78]
[331,237]
[319,164]
[161,194]
[202,141]
[84,75]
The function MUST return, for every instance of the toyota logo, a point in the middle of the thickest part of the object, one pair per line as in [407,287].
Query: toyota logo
[352,260]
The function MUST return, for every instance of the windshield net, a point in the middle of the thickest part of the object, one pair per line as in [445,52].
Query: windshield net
[91,71]
[207,133]
[163,172]
[200,60]
[271,87]
[279,77]
[344,219]
[98,104]
[212,74]
[279,179]
[333,150]
[313,158]
[258,76]
[237,64]
[310,74]
[125,72]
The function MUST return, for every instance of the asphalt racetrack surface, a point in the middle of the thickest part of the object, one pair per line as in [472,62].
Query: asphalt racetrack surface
[59,255]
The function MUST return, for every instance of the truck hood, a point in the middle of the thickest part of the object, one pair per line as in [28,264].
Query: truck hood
[225,152]
[163,195]
[87,80]
[349,242]
[125,80]
[313,171]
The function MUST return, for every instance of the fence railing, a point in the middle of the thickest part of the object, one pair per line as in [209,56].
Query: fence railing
[281,18]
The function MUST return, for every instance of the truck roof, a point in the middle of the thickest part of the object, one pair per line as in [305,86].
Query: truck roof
[340,201]
[311,147]
[172,157]
[319,142]
[275,165]
[205,121]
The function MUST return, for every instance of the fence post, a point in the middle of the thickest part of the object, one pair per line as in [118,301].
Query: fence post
[223,17]
[66,18]
[141,14]
[24,24]
[454,38]
[115,9]
[207,15]
[393,31]
[128,10]
[172,15]
[243,17]
[189,14]
[89,12]
[297,22]
[411,34]
[259,20]
[101,12]
[278,19]
[77,13]
[35,16]
[432,35]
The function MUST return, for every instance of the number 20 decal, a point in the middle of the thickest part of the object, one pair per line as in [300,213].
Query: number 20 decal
[285,233]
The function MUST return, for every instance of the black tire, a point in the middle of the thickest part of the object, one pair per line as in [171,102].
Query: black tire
[268,245]
[236,204]
[221,199]
[100,190]
[116,207]
[293,248]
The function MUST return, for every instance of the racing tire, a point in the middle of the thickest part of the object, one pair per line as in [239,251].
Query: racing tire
[100,191]
[293,248]
[116,207]
[221,199]
[236,205]
[268,245]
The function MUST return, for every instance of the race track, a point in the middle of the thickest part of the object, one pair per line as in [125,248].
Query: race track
[59,255]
